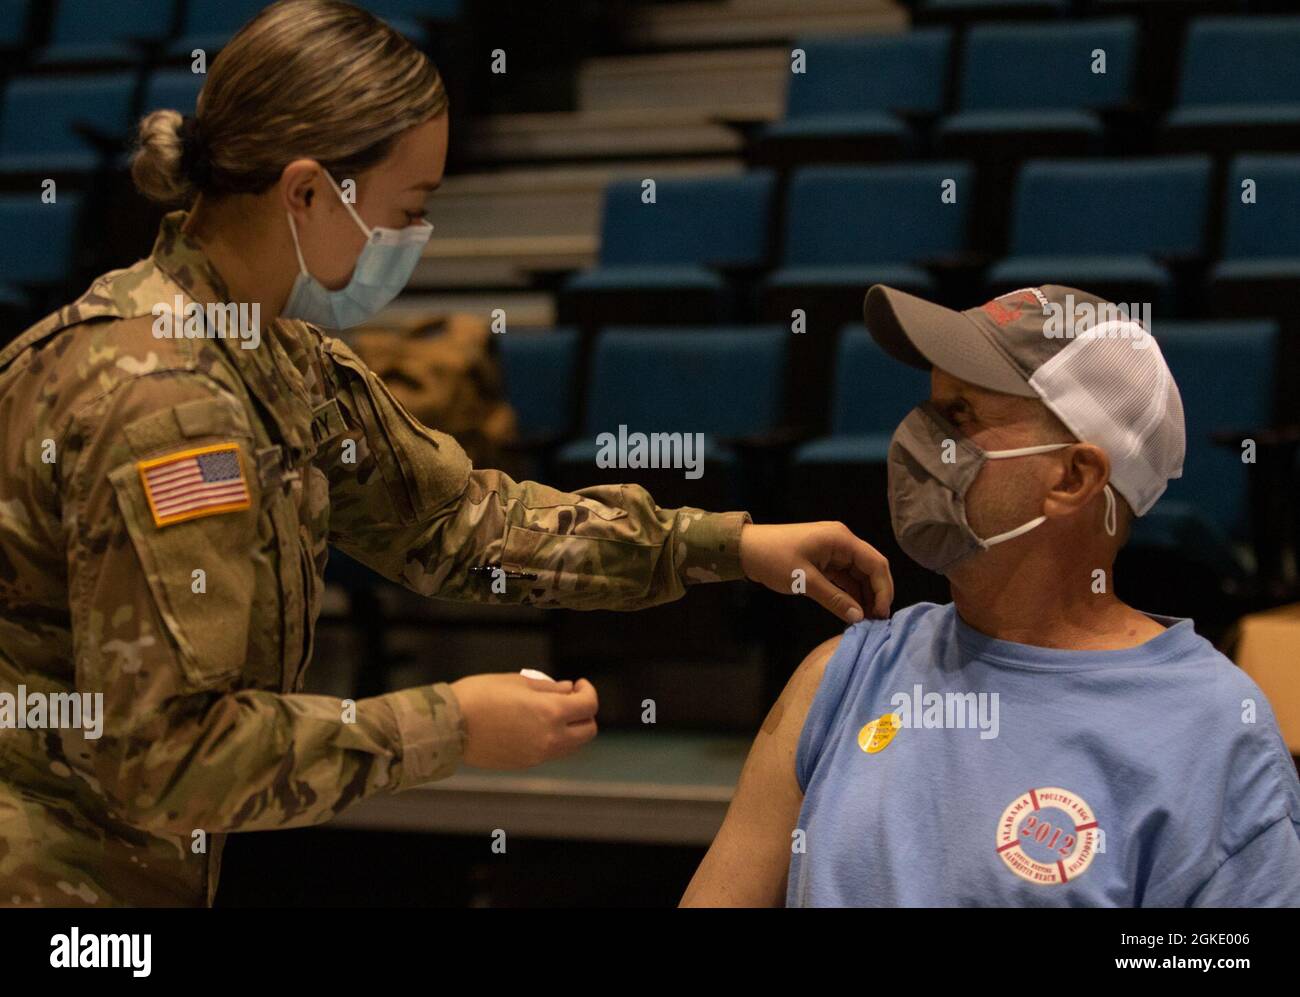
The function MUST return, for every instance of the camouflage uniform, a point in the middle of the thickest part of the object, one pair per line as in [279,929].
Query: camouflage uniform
[205,728]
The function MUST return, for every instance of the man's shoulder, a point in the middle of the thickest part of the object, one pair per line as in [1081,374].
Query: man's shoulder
[855,647]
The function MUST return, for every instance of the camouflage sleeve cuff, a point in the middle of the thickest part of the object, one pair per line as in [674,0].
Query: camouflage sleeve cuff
[432,733]
[712,546]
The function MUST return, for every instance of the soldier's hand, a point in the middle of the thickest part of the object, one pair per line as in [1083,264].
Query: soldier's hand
[837,570]
[514,722]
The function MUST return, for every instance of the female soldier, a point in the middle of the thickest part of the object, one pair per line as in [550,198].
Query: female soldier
[171,482]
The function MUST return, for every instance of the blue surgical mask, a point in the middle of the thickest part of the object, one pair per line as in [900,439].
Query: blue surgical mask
[382,270]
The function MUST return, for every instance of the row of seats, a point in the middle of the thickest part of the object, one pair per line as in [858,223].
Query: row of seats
[726,382]
[1032,77]
[1107,226]
[964,10]
[1015,79]
[68,125]
[1093,223]
[97,32]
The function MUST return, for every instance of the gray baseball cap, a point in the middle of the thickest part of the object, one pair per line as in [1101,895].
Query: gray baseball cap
[1098,369]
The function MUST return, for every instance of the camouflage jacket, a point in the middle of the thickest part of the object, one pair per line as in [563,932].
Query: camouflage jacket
[189,602]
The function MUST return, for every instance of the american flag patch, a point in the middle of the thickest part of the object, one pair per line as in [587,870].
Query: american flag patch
[193,483]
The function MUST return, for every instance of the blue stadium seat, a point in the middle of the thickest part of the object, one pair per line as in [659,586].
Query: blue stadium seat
[177,89]
[405,16]
[725,382]
[13,23]
[1225,373]
[1261,239]
[209,24]
[857,87]
[37,239]
[87,31]
[42,115]
[695,226]
[929,9]
[1103,224]
[863,225]
[1039,78]
[540,370]
[872,394]
[434,10]
[1241,72]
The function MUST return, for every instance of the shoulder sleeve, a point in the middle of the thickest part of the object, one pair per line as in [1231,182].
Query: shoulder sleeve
[183,743]
[405,500]
[1251,849]
[856,648]
[1264,872]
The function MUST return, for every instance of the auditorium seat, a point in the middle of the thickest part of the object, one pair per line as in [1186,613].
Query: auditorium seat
[13,24]
[94,32]
[723,382]
[857,226]
[209,24]
[1259,272]
[540,369]
[1028,90]
[1240,86]
[668,261]
[37,241]
[846,228]
[177,89]
[1112,227]
[1022,80]
[63,124]
[843,475]
[1184,554]
[851,101]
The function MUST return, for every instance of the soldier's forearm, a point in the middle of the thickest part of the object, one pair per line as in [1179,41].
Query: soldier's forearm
[606,547]
[255,760]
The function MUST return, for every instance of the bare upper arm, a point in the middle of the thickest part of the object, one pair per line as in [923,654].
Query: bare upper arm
[748,861]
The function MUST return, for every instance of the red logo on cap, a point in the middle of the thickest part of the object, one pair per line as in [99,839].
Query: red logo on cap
[1000,313]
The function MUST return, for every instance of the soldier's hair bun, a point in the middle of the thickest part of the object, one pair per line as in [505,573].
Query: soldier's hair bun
[158,166]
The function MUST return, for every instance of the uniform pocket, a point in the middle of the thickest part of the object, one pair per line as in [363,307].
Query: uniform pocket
[200,572]
[579,572]
[421,467]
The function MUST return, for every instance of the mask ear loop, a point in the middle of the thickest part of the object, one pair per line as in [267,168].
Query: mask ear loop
[293,230]
[1111,512]
[1023,528]
[370,233]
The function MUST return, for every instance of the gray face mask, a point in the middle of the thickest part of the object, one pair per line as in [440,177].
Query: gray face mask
[927,494]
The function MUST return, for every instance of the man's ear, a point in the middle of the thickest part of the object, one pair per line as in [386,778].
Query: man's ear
[1084,473]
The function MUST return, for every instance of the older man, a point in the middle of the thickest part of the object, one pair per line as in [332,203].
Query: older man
[1035,742]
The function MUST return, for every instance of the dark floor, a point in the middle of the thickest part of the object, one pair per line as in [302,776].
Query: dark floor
[334,868]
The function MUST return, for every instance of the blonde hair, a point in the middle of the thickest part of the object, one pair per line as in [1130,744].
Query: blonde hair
[314,79]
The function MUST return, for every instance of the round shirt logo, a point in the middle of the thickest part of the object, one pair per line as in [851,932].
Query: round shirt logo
[1047,836]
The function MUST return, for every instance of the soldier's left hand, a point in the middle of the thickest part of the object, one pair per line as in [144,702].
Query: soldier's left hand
[840,572]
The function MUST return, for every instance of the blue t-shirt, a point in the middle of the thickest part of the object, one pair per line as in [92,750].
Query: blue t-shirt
[1002,774]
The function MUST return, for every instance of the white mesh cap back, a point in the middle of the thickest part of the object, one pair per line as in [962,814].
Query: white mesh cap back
[1111,387]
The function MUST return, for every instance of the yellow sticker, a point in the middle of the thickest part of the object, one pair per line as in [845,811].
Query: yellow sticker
[876,735]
